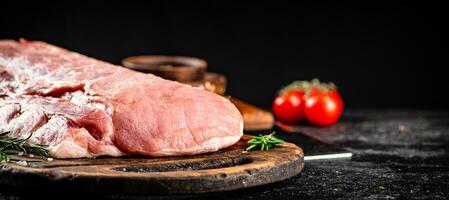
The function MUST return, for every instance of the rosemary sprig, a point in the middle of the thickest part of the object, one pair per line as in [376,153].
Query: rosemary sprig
[264,141]
[10,146]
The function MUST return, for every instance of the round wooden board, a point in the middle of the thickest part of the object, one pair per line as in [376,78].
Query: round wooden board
[228,169]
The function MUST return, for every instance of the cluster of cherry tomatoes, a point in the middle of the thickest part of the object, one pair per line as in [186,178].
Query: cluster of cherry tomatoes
[318,103]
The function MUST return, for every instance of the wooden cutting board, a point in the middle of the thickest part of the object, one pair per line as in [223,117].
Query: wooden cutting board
[227,169]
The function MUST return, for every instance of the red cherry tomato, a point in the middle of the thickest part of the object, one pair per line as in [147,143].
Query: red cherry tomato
[323,108]
[288,107]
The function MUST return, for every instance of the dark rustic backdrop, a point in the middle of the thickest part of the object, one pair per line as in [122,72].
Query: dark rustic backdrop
[381,55]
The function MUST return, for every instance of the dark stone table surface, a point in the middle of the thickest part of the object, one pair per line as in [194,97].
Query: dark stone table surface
[398,154]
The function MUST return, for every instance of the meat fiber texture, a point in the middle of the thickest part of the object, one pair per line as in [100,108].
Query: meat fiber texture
[83,107]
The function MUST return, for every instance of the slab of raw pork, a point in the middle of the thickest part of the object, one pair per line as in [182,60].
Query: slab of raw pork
[82,107]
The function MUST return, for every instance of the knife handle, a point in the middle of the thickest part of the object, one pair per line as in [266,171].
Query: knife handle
[254,118]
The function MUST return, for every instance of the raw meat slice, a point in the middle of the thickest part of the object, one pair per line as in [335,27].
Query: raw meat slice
[82,107]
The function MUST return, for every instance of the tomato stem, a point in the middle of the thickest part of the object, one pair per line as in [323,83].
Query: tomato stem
[307,86]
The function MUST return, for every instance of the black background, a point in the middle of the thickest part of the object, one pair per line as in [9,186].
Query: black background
[388,55]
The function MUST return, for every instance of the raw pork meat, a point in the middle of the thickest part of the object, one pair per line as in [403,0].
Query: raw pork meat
[82,107]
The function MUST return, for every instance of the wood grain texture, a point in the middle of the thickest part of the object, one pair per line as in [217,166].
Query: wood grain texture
[179,68]
[228,169]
